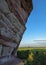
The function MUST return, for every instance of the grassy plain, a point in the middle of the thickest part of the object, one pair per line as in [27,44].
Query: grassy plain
[32,48]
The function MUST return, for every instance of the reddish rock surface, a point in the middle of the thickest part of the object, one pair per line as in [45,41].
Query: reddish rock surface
[13,17]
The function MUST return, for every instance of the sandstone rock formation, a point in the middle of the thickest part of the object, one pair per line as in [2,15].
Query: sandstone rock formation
[13,17]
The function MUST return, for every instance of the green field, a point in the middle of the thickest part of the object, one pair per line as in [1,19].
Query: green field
[32,48]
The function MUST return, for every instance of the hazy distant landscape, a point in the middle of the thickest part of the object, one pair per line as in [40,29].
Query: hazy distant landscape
[31,48]
[34,43]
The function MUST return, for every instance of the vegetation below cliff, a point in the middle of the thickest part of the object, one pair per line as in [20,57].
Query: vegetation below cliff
[33,56]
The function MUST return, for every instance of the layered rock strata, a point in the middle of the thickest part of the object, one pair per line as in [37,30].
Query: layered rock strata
[13,17]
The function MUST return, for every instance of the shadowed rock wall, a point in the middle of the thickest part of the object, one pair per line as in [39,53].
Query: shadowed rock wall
[13,17]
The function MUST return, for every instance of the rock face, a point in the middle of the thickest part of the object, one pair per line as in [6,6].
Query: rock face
[13,17]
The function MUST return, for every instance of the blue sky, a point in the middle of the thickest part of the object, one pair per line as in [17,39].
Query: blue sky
[36,24]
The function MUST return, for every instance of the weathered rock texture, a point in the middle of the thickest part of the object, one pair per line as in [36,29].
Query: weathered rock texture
[13,17]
